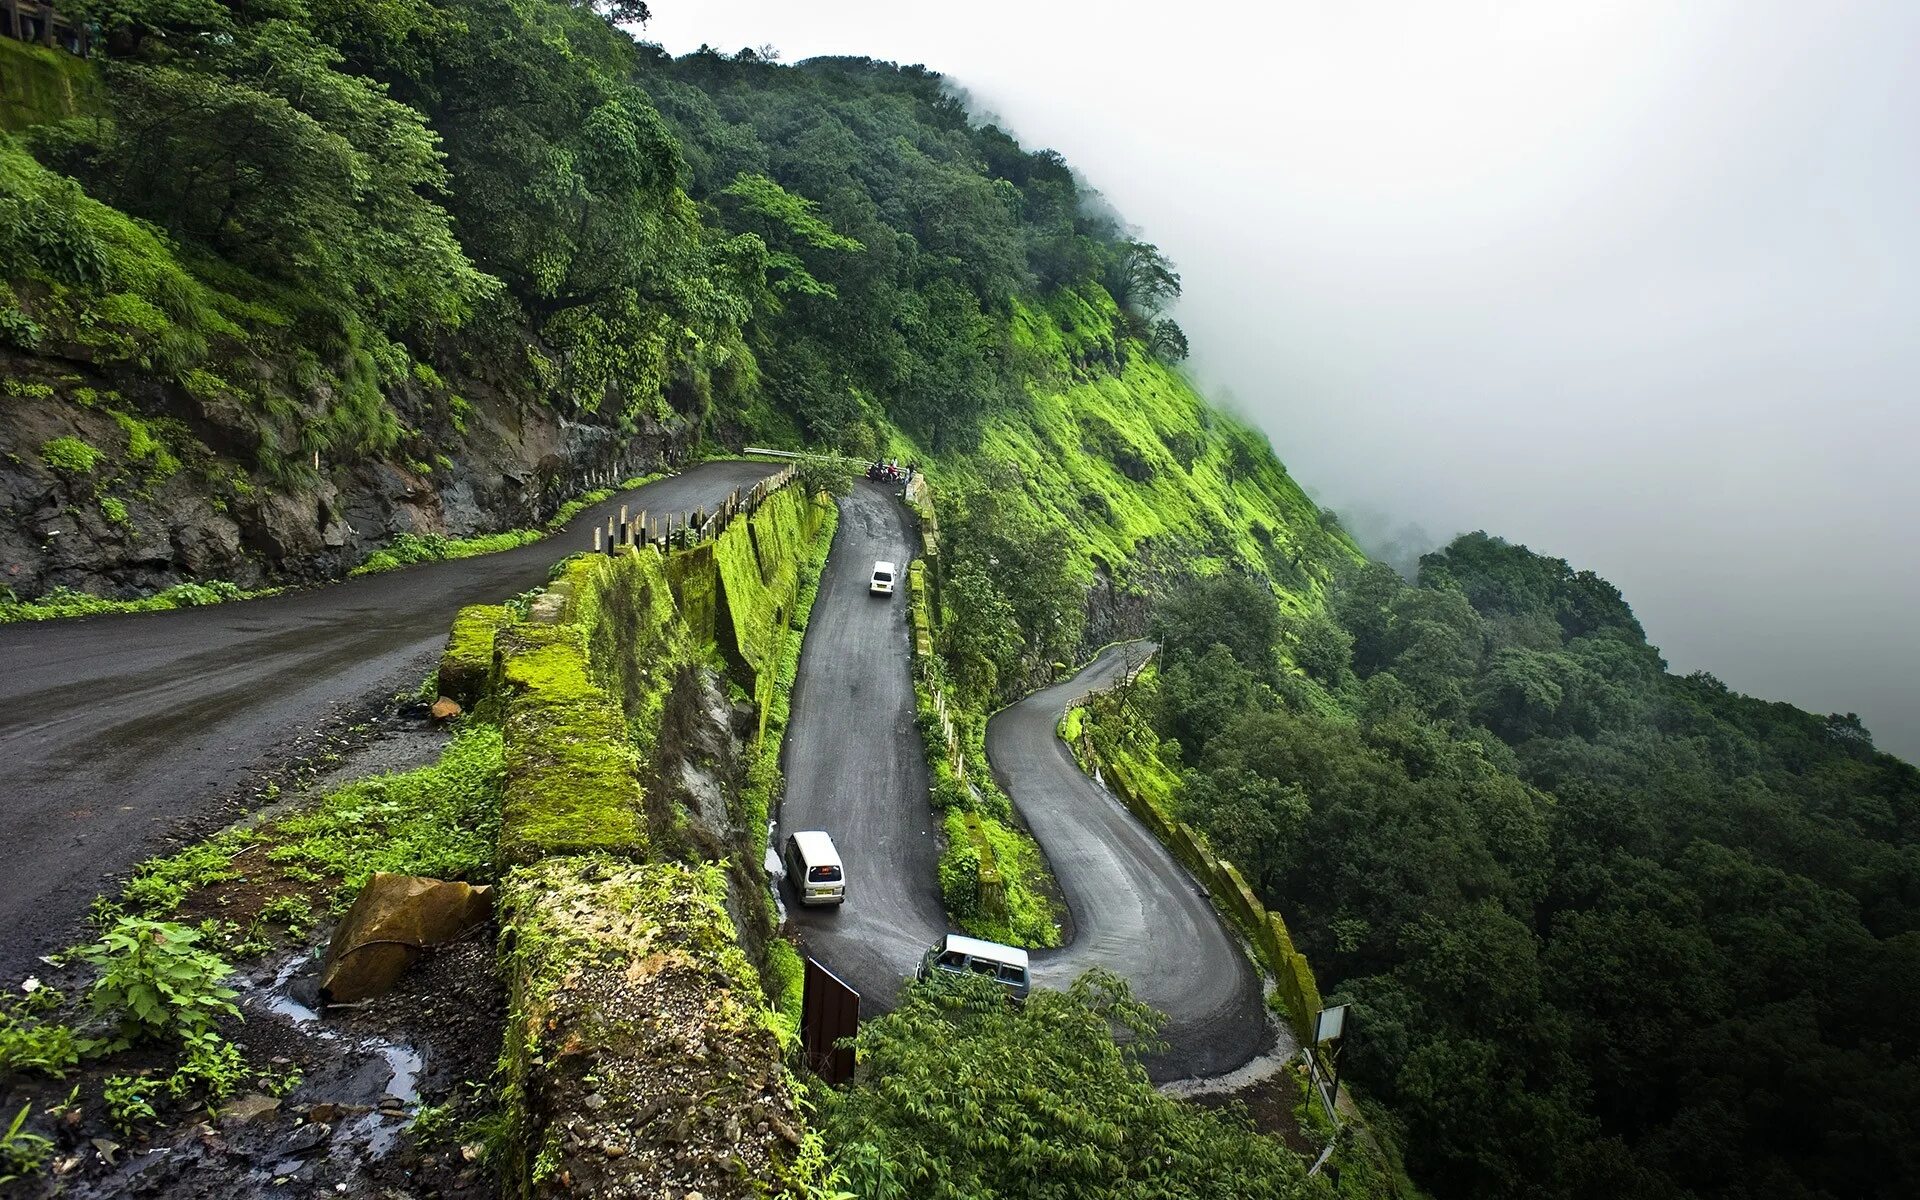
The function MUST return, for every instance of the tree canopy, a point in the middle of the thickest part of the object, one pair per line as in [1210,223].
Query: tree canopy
[1607,930]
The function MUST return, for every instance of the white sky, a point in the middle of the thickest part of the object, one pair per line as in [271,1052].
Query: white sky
[1633,283]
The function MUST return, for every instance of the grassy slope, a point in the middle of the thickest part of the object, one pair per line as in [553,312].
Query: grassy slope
[1130,459]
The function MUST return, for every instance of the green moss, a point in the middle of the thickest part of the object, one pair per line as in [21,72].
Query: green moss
[785,980]
[71,456]
[626,981]
[115,509]
[571,784]
[39,85]
[466,668]
[759,571]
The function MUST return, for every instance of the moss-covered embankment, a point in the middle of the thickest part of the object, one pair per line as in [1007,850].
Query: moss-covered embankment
[1106,735]
[641,1053]
[994,881]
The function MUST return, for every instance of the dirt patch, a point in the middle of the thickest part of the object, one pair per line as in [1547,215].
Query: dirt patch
[1272,1104]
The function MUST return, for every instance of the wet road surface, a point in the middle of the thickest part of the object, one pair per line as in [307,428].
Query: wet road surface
[113,729]
[855,767]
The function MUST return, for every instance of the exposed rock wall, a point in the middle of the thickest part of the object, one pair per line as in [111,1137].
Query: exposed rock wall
[169,493]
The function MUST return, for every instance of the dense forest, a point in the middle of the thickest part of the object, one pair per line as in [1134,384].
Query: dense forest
[1608,931]
[517,187]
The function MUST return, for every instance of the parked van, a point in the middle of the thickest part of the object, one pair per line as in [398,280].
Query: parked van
[813,867]
[960,955]
[883,573]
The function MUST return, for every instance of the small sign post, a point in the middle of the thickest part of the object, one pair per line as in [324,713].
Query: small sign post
[1328,1025]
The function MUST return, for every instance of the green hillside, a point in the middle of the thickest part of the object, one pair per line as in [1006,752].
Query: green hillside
[307,275]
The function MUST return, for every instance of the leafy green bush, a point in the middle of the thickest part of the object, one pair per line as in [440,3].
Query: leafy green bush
[71,456]
[156,983]
[129,1100]
[212,1069]
[963,1096]
[28,1043]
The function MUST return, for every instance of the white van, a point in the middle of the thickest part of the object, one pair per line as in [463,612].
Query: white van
[813,867]
[956,954]
[883,573]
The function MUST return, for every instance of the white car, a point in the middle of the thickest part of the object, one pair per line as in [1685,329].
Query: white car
[883,576]
[813,868]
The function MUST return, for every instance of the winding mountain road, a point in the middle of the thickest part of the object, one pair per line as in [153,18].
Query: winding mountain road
[114,728]
[855,767]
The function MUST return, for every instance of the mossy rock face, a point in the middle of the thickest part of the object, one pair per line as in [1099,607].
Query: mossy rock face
[466,669]
[571,775]
[640,1052]
[1301,993]
[39,85]
[696,590]
[759,574]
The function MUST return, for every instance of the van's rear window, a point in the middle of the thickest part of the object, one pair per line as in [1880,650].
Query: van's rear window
[823,875]
[883,576]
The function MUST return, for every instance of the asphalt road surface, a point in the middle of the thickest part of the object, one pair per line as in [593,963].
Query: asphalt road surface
[114,728]
[855,768]
[854,764]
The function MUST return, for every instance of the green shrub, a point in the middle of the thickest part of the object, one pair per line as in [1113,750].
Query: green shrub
[22,1153]
[129,1101]
[27,1043]
[212,1069]
[71,457]
[16,327]
[156,983]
